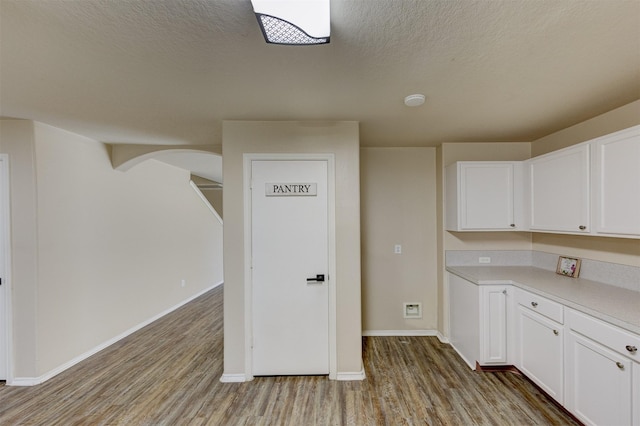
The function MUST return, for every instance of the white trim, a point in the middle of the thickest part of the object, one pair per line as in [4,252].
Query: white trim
[331,225]
[443,338]
[205,201]
[350,376]
[400,333]
[471,364]
[5,230]
[233,378]
[31,381]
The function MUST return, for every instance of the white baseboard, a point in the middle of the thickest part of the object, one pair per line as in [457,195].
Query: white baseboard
[400,333]
[349,376]
[442,338]
[472,365]
[233,378]
[32,381]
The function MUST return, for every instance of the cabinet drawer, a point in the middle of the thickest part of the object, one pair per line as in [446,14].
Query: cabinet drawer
[539,304]
[621,341]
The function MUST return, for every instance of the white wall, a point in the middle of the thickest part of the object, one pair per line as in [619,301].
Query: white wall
[16,140]
[111,247]
[398,193]
[339,138]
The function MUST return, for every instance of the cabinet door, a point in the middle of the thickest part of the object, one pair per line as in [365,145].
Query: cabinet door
[486,195]
[598,383]
[464,332]
[540,351]
[617,183]
[493,320]
[559,190]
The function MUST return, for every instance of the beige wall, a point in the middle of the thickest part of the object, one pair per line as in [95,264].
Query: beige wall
[616,250]
[214,196]
[398,193]
[339,138]
[612,121]
[111,247]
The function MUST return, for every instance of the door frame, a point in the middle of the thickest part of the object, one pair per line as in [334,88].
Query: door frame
[331,229]
[6,334]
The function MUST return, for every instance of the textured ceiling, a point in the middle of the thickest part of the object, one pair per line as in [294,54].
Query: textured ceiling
[169,71]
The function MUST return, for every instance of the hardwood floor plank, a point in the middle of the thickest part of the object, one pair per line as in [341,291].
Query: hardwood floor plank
[168,374]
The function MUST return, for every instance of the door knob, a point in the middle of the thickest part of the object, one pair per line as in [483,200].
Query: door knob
[318,278]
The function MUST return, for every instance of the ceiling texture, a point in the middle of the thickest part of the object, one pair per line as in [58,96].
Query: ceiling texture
[170,71]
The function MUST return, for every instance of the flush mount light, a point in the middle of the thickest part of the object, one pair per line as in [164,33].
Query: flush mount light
[293,22]
[414,100]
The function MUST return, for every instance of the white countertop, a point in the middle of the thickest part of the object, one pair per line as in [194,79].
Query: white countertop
[615,305]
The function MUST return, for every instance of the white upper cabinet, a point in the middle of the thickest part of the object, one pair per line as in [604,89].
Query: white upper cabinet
[592,188]
[559,190]
[616,183]
[484,195]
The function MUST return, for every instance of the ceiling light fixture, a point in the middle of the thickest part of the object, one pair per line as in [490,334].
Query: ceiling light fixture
[293,22]
[414,100]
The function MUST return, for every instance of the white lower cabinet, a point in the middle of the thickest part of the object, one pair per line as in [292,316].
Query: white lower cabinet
[602,372]
[589,366]
[478,321]
[493,320]
[539,344]
[598,383]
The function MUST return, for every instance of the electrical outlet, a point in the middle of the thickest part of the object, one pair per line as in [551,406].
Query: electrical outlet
[484,260]
[397,249]
[183,283]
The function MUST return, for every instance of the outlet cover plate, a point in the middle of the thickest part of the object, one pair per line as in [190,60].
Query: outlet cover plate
[412,310]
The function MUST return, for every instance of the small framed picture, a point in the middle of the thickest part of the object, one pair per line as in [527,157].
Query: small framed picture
[568,266]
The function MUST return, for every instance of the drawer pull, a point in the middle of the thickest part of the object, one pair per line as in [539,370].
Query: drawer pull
[556,332]
[513,225]
[631,349]
[504,291]
[620,365]
[582,227]
[534,304]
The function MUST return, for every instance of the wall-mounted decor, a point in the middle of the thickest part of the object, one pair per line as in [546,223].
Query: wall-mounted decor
[568,266]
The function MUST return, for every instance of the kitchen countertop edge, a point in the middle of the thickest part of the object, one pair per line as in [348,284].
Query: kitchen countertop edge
[615,305]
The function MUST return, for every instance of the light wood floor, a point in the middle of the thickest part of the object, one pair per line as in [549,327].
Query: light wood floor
[168,374]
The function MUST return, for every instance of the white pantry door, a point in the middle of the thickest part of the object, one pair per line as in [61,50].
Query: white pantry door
[290,293]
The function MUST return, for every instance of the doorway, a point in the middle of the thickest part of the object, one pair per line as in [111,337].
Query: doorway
[292,296]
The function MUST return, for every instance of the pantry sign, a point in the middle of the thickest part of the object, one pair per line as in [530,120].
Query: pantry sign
[291,189]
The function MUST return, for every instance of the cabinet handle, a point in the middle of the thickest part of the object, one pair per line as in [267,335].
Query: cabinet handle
[504,291]
[513,225]
[534,304]
[582,227]
[631,349]
[620,365]
[556,332]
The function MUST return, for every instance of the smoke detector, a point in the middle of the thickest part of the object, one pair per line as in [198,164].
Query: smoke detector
[414,100]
